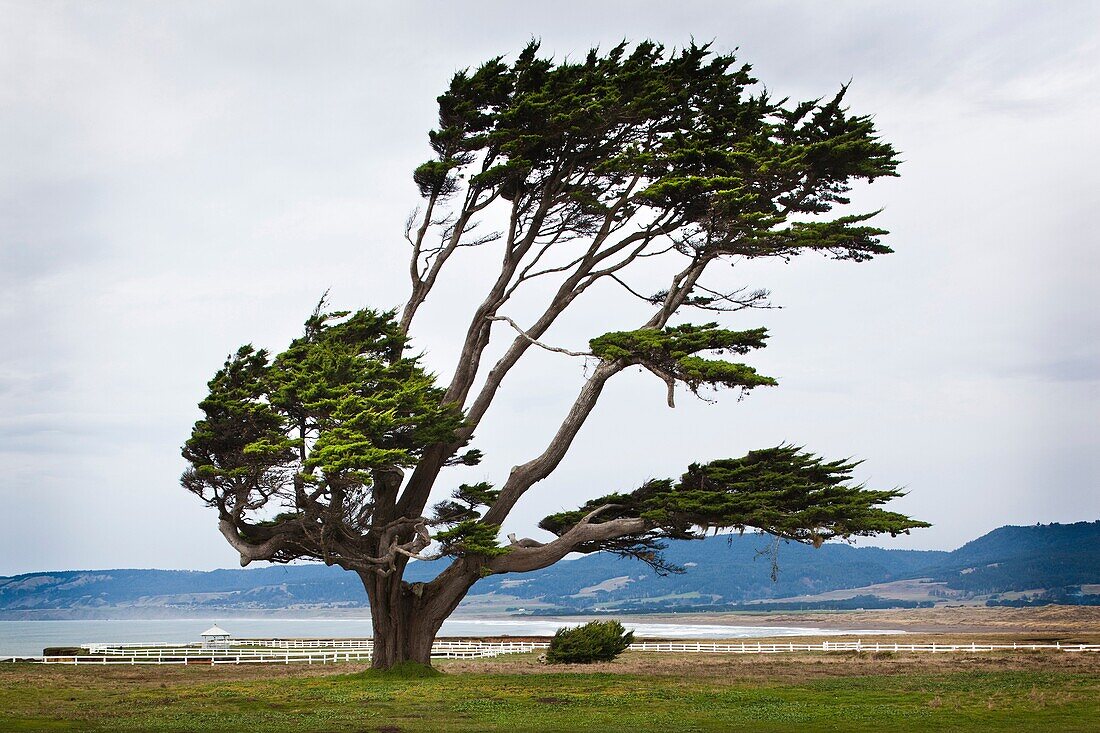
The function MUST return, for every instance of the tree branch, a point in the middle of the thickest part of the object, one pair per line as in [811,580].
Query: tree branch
[248,551]
[524,476]
[524,559]
[536,342]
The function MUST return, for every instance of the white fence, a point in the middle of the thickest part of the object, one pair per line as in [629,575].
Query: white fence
[330,651]
[845,646]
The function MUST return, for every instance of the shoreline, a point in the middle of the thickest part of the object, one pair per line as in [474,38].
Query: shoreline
[944,619]
[1065,624]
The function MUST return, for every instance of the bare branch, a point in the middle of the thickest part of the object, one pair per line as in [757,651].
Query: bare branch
[423,282]
[249,551]
[632,291]
[421,541]
[524,476]
[538,343]
[525,542]
[523,559]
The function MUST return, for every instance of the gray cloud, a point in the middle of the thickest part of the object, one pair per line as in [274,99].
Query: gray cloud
[180,179]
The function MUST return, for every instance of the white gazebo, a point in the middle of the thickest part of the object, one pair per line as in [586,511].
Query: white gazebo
[215,638]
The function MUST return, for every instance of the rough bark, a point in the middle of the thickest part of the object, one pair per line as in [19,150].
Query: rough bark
[403,629]
[405,617]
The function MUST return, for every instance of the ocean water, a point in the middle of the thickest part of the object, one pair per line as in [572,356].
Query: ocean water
[28,638]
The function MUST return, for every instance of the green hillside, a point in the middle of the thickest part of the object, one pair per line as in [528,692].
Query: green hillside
[1010,565]
[1051,562]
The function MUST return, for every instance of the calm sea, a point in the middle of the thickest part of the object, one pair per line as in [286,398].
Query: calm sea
[28,638]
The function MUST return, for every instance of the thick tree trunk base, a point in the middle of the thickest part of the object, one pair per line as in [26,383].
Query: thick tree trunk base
[416,649]
[404,630]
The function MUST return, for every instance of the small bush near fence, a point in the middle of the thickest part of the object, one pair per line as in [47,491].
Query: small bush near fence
[597,641]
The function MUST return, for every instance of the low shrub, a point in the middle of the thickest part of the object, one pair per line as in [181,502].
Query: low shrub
[596,641]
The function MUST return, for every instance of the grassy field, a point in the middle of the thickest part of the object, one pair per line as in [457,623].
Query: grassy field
[1012,691]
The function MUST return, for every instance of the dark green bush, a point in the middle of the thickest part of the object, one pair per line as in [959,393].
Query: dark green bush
[597,641]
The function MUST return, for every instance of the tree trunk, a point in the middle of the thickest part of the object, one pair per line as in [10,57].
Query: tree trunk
[404,629]
[406,619]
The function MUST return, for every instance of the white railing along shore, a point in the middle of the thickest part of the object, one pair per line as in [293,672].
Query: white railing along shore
[330,651]
[846,646]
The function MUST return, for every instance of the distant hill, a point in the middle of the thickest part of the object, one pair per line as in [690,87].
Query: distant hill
[1047,560]
[720,570]
[261,588]
[1010,565]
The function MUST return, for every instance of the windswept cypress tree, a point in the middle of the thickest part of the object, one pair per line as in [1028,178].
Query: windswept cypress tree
[331,449]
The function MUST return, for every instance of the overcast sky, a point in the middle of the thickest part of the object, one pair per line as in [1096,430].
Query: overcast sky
[180,178]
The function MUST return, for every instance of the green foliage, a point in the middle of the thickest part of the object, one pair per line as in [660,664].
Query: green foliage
[242,439]
[671,353]
[471,457]
[596,641]
[471,537]
[328,413]
[434,177]
[687,132]
[783,491]
[466,504]
[369,411]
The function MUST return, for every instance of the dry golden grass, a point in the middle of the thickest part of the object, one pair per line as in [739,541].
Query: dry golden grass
[732,668]
[784,667]
[798,666]
[954,620]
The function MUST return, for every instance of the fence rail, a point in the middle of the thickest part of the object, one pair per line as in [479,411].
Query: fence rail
[331,651]
[847,646]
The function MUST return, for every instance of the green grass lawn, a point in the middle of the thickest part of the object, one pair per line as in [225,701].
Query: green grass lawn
[464,699]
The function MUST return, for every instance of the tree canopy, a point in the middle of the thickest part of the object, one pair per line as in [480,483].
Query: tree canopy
[334,448]
[293,449]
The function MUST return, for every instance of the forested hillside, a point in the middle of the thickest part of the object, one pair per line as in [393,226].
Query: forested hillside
[718,571]
[1051,561]
[1011,565]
